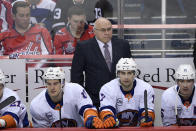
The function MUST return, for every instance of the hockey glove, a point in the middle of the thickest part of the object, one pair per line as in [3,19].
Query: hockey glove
[2,123]
[146,123]
[110,121]
[7,121]
[93,122]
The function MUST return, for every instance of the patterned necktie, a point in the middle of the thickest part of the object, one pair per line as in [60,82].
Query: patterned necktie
[107,56]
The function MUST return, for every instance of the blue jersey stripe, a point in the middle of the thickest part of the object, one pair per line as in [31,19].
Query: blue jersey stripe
[82,109]
[13,115]
[109,107]
[25,121]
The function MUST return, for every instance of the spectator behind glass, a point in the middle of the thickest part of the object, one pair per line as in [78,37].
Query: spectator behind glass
[41,12]
[77,30]
[5,19]
[104,8]
[91,56]
[24,38]
[60,13]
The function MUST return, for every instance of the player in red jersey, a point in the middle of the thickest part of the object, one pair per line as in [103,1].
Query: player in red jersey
[66,38]
[24,38]
[5,19]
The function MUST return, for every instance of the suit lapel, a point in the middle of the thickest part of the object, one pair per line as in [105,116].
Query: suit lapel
[114,54]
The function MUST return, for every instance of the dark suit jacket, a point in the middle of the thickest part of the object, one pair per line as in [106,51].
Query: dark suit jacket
[88,58]
[194,52]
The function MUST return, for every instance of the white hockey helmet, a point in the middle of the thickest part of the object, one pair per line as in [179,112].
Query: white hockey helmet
[17,1]
[2,77]
[185,72]
[126,64]
[78,1]
[53,73]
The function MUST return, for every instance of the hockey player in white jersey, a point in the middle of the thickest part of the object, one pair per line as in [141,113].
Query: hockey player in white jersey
[14,114]
[63,104]
[179,101]
[123,98]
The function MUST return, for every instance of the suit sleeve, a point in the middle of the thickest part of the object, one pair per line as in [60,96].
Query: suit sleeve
[194,53]
[78,66]
[127,49]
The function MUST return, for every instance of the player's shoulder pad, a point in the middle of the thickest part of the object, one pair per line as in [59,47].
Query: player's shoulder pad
[111,86]
[8,92]
[37,100]
[73,86]
[171,91]
[142,83]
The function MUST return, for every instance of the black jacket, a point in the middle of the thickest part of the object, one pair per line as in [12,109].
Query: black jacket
[88,58]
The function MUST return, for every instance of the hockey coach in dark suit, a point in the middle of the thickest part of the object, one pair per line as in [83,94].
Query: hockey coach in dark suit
[94,61]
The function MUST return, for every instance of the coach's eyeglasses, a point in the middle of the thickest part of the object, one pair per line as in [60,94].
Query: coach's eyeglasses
[104,29]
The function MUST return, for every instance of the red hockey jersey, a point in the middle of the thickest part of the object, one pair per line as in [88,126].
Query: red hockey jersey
[5,18]
[35,41]
[65,43]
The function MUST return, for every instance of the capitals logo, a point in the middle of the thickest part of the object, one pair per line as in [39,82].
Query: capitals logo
[69,47]
[26,51]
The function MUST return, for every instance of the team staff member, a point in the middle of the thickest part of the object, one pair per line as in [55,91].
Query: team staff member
[24,38]
[41,12]
[123,98]
[178,102]
[97,57]
[63,104]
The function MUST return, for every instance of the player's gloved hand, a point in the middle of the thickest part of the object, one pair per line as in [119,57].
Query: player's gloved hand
[110,121]
[94,122]
[146,123]
[2,123]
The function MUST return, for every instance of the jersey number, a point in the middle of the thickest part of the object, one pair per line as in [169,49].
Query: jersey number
[84,94]
[57,13]
[17,104]
[102,97]
[98,13]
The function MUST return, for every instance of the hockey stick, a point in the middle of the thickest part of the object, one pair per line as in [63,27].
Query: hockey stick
[7,101]
[145,105]
[176,108]
[60,117]
[58,107]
